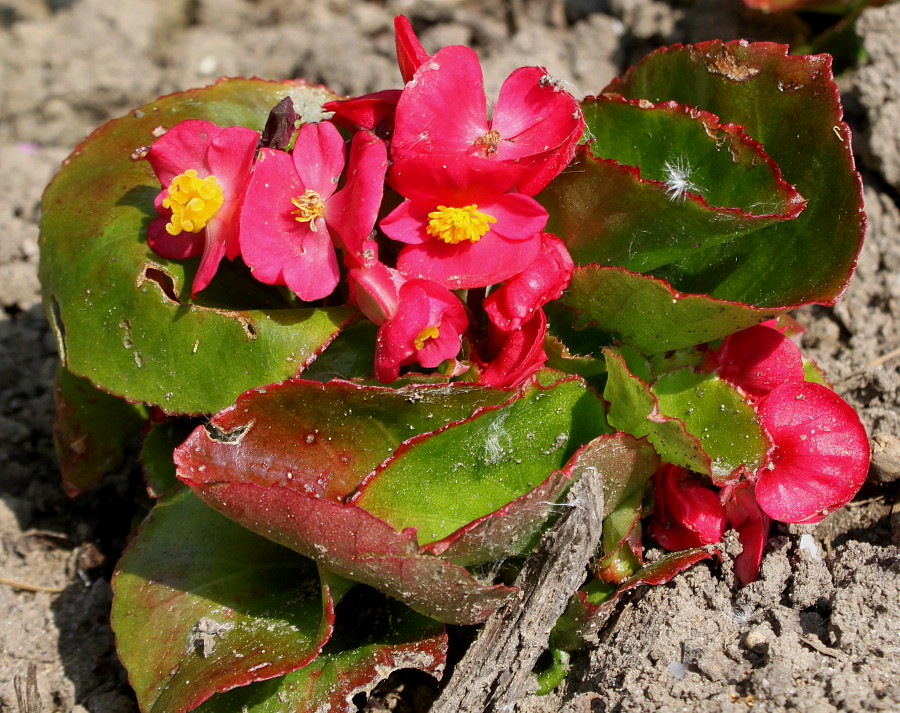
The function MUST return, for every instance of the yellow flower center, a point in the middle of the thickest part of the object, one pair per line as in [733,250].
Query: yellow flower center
[453,225]
[309,207]
[193,201]
[426,334]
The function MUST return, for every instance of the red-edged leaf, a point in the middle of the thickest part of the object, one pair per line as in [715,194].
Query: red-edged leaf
[810,258]
[203,605]
[372,638]
[647,313]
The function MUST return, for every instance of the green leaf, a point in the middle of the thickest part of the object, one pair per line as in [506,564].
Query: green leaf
[635,410]
[284,460]
[372,638]
[492,458]
[648,314]
[156,453]
[90,430]
[791,106]
[667,181]
[120,312]
[203,605]
[718,415]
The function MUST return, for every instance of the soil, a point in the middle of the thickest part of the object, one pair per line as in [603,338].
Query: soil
[819,632]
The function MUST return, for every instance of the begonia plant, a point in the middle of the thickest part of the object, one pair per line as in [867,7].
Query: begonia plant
[371,342]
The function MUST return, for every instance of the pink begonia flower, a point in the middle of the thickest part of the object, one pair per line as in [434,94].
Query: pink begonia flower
[292,214]
[426,328]
[460,228]
[820,453]
[203,169]
[443,110]
[752,525]
[758,359]
[545,279]
[518,354]
[686,513]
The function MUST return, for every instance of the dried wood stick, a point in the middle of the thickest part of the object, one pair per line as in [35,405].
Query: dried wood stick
[495,671]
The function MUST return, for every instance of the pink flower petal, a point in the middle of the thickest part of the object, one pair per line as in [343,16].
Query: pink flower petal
[820,454]
[758,359]
[452,179]
[545,279]
[278,248]
[492,259]
[182,147]
[686,514]
[374,112]
[539,126]
[352,211]
[443,109]
[519,354]
[410,53]
[319,157]
[422,305]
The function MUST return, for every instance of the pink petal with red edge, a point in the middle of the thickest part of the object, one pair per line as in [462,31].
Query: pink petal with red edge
[452,179]
[408,222]
[758,359]
[443,108]
[319,158]
[820,454]
[545,279]
[519,354]
[278,248]
[182,147]
[410,53]
[352,211]
[752,525]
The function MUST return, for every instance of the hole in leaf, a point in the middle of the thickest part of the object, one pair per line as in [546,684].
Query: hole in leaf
[162,280]
[232,436]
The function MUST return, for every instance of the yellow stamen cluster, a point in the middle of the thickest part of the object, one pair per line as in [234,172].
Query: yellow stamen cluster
[193,202]
[309,207]
[454,225]
[425,335]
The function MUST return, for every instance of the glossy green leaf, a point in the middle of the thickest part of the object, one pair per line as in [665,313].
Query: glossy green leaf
[202,605]
[811,258]
[635,410]
[283,460]
[90,430]
[659,183]
[718,415]
[371,639]
[647,313]
[121,313]
[493,458]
